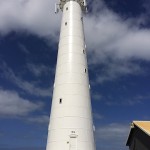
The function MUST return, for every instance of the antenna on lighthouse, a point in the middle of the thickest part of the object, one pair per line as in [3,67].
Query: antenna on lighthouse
[56,8]
[84,2]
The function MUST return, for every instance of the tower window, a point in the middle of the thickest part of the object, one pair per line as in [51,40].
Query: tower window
[83,51]
[85,70]
[60,101]
[65,23]
[66,8]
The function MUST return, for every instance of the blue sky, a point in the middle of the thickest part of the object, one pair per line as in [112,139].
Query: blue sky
[118,44]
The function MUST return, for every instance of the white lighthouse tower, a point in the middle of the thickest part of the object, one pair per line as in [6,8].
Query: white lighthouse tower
[71,123]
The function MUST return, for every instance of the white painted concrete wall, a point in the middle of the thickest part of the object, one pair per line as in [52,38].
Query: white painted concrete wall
[71,124]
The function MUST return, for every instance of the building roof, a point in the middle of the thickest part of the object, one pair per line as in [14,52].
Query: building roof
[142,125]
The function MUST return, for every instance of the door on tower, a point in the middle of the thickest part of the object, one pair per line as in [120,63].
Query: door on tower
[73,142]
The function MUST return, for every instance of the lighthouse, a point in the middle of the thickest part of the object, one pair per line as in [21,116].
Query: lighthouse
[71,123]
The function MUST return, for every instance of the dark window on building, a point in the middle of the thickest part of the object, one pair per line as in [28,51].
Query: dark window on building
[60,101]
[65,23]
[66,8]
[85,70]
[83,51]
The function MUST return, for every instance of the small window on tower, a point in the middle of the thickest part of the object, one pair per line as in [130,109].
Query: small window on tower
[65,23]
[60,101]
[83,51]
[85,70]
[67,8]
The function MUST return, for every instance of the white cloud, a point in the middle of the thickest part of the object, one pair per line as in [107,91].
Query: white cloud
[115,134]
[112,35]
[112,70]
[34,16]
[96,96]
[114,42]
[108,35]
[39,69]
[128,101]
[23,48]
[11,104]
[28,86]
[97,116]
[43,119]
